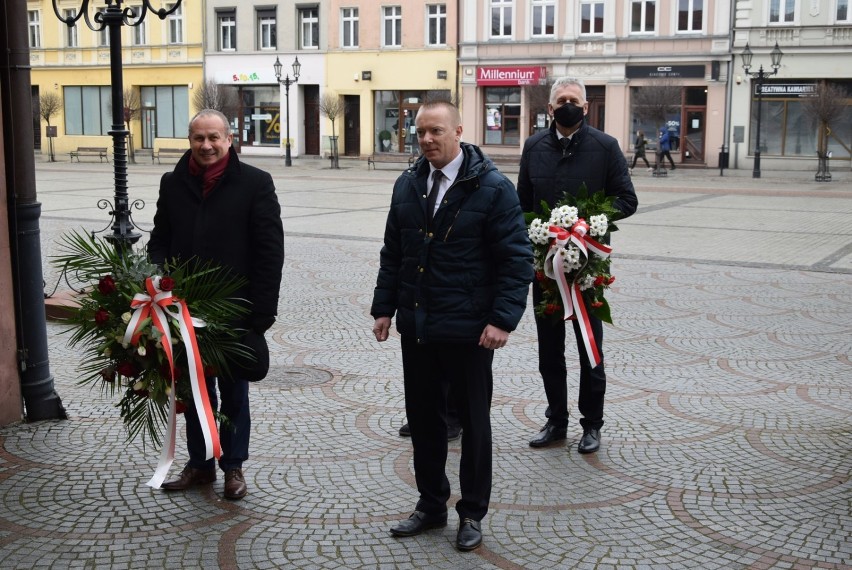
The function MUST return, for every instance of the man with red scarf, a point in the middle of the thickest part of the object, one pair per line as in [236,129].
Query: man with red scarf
[214,208]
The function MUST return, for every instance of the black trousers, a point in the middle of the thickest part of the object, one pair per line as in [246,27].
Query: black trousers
[637,157]
[554,372]
[432,371]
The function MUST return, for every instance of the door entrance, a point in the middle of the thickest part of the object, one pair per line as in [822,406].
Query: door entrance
[149,127]
[692,145]
[352,125]
[312,119]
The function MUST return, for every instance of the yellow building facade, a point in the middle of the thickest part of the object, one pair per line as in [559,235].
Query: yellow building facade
[162,69]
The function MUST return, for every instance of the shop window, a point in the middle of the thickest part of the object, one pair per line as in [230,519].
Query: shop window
[395,113]
[260,116]
[87,110]
[502,115]
[171,105]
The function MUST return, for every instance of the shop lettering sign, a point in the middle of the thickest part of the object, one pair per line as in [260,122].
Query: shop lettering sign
[511,76]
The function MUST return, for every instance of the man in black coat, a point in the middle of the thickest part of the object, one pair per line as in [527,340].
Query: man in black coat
[555,162]
[455,269]
[216,209]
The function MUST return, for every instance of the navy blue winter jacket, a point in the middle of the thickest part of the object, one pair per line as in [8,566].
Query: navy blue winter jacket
[548,172]
[472,269]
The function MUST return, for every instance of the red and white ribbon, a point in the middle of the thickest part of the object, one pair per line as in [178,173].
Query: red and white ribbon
[156,305]
[572,298]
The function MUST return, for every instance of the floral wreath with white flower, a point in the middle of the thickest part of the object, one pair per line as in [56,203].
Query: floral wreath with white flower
[570,255]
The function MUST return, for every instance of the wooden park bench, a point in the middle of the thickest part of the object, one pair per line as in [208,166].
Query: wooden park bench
[99,151]
[175,153]
[390,158]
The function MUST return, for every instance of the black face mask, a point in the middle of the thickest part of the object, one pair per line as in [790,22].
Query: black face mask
[568,115]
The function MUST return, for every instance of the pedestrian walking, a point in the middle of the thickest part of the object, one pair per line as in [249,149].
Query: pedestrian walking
[639,151]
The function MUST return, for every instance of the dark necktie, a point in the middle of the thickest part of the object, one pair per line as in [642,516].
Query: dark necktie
[433,194]
[565,142]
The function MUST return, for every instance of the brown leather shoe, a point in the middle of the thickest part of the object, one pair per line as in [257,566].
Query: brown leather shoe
[235,484]
[190,477]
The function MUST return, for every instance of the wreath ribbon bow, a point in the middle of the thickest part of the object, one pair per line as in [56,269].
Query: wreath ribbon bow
[159,306]
[571,294]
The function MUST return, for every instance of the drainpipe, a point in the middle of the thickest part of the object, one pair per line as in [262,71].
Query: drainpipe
[41,402]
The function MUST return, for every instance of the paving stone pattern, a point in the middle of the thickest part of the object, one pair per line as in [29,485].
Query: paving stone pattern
[728,416]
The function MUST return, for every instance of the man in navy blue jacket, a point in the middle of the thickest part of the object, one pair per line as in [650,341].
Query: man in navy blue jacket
[455,269]
[555,162]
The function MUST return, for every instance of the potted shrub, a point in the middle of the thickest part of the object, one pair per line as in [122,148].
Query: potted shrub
[385,140]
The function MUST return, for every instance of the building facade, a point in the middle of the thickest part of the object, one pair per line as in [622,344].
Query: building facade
[510,49]
[816,41]
[242,42]
[162,68]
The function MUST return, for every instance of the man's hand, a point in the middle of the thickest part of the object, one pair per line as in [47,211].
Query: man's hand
[493,338]
[381,328]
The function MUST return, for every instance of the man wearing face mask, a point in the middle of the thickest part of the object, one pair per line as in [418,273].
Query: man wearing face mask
[555,162]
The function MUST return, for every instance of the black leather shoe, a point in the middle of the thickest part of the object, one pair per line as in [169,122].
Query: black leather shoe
[405,430]
[190,477]
[590,442]
[469,536]
[419,522]
[453,432]
[548,435]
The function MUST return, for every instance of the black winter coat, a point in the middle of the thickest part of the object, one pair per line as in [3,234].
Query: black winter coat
[547,172]
[472,270]
[237,226]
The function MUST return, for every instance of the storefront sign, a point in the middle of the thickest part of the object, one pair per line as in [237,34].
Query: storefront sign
[787,90]
[678,71]
[245,77]
[510,76]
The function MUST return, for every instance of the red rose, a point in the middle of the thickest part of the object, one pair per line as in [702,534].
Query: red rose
[167,283]
[101,317]
[600,280]
[126,369]
[597,305]
[610,280]
[108,374]
[540,276]
[551,308]
[107,285]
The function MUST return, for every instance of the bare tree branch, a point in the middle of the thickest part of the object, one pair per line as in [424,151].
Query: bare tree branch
[223,98]
[825,107]
[654,103]
[49,104]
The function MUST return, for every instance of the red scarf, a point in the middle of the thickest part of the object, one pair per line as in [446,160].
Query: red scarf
[211,174]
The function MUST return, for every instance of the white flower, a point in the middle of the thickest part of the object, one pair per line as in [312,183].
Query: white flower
[538,232]
[139,386]
[587,282]
[107,352]
[570,257]
[125,317]
[598,225]
[564,216]
[141,350]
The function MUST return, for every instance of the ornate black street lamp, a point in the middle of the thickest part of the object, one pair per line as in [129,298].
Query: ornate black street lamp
[287,82]
[113,17]
[760,76]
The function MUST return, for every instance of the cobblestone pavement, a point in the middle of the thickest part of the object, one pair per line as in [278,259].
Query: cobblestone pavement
[728,418]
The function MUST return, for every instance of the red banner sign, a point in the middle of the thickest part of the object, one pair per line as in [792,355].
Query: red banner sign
[511,76]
